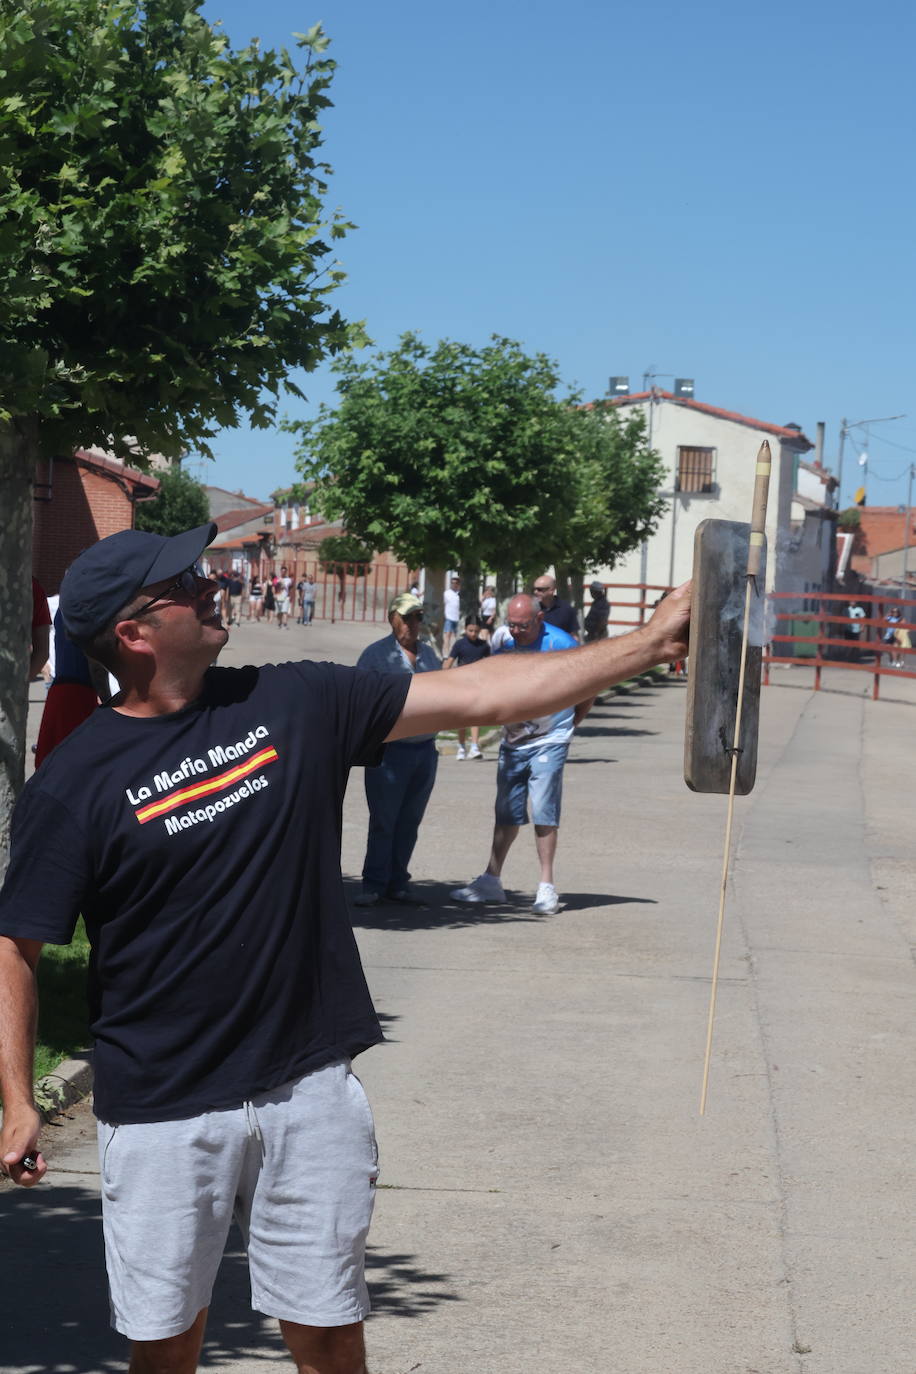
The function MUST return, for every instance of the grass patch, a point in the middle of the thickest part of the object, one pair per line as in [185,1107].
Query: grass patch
[62,1011]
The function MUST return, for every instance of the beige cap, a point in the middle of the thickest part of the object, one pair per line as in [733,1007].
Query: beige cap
[404,603]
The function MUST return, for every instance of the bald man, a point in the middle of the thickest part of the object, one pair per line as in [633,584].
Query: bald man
[556,611]
[530,771]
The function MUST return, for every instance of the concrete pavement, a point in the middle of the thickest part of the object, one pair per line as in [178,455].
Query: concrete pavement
[550,1198]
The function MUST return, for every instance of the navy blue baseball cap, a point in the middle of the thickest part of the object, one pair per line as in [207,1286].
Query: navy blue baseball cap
[109,574]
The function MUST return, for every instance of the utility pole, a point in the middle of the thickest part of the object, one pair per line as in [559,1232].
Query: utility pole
[649,376]
[845,427]
[904,582]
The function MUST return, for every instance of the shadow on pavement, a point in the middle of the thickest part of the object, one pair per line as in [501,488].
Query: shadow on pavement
[590,731]
[581,901]
[55,1317]
[398,1287]
[440,912]
[55,1301]
[579,762]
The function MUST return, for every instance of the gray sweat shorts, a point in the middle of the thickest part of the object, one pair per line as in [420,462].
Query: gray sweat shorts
[296,1167]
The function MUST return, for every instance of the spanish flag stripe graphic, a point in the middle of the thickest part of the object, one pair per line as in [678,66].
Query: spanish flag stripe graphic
[203,789]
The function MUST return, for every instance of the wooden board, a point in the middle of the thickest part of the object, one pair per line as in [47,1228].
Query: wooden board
[717,620]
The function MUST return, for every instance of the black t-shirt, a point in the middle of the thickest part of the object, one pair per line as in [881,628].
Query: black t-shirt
[563,615]
[203,849]
[465,651]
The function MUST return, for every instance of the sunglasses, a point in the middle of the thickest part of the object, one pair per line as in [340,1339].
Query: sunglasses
[186,584]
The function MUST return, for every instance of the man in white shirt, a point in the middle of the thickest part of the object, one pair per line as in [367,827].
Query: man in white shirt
[452,607]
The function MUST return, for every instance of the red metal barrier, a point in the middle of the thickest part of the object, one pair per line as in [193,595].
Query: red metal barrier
[866,640]
[649,594]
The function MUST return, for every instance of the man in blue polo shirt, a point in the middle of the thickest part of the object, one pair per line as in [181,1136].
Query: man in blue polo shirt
[530,770]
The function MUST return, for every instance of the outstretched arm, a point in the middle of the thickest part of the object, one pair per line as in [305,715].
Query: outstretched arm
[18,1020]
[510,687]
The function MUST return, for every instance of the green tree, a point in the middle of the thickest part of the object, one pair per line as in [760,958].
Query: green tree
[342,554]
[449,456]
[164,251]
[618,504]
[180,504]
[460,457]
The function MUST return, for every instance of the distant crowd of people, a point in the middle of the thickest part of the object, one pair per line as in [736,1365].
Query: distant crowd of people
[267,597]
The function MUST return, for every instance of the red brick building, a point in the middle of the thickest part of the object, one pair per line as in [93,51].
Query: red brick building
[882,530]
[78,500]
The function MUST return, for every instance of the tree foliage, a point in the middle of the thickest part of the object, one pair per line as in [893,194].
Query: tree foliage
[180,504]
[616,479]
[444,453]
[343,553]
[164,252]
[455,456]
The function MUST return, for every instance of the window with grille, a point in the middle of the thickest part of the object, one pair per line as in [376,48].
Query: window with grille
[696,470]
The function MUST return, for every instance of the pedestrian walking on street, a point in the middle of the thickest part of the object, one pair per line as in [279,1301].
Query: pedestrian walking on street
[227,998]
[554,609]
[451,602]
[398,789]
[234,588]
[598,613]
[270,599]
[488,613]
[283,594]
[305,591]
[529,774]
[256,599]
[470,648]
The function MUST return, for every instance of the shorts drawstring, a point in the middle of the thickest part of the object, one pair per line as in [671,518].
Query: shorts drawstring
[254,1128]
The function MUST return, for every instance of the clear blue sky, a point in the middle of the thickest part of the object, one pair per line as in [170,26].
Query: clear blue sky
[716,191]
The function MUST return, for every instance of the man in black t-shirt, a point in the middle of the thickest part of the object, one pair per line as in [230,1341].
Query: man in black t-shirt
[470,648]
[235,587]
[555,610]
[226,992]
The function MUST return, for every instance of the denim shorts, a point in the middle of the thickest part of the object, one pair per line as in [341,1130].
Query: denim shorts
[530,774]
[297,1168]
[450,627]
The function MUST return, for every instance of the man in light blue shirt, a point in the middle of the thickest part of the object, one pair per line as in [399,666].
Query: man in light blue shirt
[399,788]
[530,770]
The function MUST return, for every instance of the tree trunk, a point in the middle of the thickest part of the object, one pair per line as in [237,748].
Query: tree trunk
[17,463]
[577,591]
[469,572]
[505,590]
[571,586]
[433,587]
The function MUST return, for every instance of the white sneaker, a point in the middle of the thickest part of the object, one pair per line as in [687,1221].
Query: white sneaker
[475,752]
[546,902]
[459,752]
[486,888]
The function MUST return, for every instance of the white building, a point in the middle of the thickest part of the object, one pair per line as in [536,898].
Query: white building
[710,456]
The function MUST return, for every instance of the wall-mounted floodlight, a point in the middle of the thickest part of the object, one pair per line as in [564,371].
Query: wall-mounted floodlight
[683,388]
[618,386]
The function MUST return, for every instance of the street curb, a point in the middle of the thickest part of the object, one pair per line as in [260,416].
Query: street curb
[69,1083]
